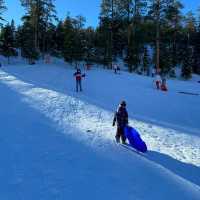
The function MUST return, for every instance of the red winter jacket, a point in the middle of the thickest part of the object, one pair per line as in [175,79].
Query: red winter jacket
[79,76]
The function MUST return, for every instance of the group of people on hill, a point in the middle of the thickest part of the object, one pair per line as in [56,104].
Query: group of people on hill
[120,117]
[160,82]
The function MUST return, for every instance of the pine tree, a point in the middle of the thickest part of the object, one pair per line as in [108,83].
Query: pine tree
[47,26]
[26,41]
[13,28]
[120,27]
[173,26]
[89,45]
[69,40]
[2,9]
[107,16]
[192,30]
[187,53]
[80,40]
[59,38]
[74,39]
[7,42]
[156,13]
[196,67]
[42,13]
[101,46]
[146,61]
[135,11]
[187,64]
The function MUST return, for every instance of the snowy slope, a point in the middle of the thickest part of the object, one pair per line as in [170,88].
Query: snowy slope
[51,154]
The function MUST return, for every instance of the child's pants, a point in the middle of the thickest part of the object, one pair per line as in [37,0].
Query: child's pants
[78,85]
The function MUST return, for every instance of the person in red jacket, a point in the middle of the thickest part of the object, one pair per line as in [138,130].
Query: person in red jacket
[78,75]
[164,85]
[157,80]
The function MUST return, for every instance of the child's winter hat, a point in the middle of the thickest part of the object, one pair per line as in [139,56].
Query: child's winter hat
[123,103]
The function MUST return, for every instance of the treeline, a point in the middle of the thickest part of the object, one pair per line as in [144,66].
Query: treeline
[143,33]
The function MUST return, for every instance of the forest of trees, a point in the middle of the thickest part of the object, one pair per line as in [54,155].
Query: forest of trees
[143,33]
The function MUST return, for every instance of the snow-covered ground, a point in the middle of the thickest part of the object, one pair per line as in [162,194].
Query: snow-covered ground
[59,144]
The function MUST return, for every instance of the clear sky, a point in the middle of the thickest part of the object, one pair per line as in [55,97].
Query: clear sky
[88,8]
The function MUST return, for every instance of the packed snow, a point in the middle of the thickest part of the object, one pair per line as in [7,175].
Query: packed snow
[59,144]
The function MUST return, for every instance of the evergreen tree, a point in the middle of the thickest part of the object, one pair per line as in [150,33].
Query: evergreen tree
[146,62]
[101,46]
[69,40]
[156,13]
[107,16]
[90,45]
[2,9]
[187,64]
[196,67]
[49,40]
[135,13]
[80,40]
[127,28]
[187,53]
[26,40]
[48,28]
[59,38]
[120,25]
[41,14]
[7,42]
[13,28]
[172,28]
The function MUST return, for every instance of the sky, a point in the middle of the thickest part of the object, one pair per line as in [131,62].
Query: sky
[88,8]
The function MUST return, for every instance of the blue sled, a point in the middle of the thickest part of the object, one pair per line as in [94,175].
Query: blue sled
[134,139]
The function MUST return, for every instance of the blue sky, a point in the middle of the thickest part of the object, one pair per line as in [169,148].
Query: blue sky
[88,8]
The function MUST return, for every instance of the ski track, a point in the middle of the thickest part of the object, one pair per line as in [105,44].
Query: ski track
[95,122]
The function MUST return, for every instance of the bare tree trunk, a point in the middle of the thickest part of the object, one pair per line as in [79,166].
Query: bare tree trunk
[36,25]
[174,41]
[128,34]
[111,36]
[158,36]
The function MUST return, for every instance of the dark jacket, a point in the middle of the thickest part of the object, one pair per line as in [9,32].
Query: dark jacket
[121,117]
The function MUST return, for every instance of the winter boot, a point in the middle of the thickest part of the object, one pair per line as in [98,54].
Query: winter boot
[117,139]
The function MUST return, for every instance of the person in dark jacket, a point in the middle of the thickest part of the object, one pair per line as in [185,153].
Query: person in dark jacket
[121,117]
[78,75]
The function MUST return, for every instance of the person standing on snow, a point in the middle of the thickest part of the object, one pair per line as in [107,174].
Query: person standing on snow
[118,68]
[78,77]
[163,86]
[115,68]
[157,81]
[121,117]
[153,72]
